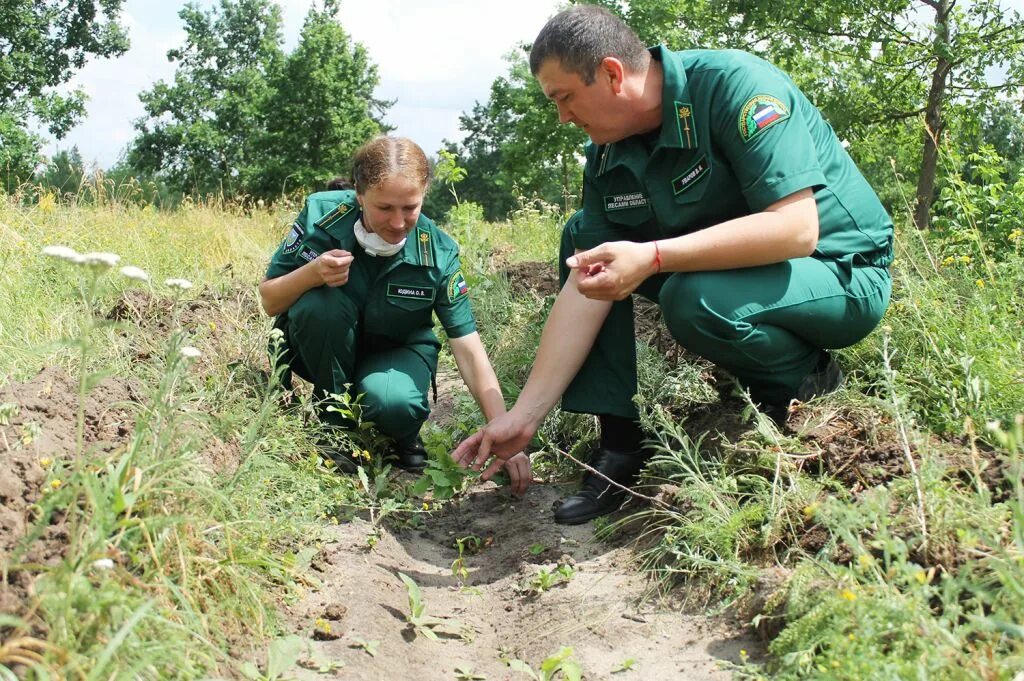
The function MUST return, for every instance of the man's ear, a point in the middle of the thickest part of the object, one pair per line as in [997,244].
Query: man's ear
[612,70]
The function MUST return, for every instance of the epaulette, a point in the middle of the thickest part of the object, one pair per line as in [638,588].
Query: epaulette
[340,211]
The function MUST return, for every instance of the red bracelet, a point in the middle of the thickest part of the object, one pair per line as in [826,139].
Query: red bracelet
[657,257]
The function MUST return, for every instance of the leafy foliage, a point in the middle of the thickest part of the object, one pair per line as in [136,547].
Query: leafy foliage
[42,44]
[243,117]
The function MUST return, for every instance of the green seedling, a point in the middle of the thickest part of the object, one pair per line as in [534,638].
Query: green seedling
[465,545]
[418,620]
[546,579]
[537,549]
[467,674]
[560,662]
[322,665]
[282,655]
[625,665]
[443,478]
[369,647]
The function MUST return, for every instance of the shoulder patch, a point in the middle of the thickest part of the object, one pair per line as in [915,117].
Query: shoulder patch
[760,113]
[293,240]
[457,286]
[340,211]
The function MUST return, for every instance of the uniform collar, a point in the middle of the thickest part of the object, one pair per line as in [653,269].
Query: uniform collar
[678,130]
[419,246]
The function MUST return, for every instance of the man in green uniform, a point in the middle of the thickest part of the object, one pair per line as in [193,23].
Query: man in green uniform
[375,332]
[714,187]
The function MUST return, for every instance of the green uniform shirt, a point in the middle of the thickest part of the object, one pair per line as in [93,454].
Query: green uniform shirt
[398,293]
[736,136]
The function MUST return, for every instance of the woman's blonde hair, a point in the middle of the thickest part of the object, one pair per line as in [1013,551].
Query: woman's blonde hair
[384,157]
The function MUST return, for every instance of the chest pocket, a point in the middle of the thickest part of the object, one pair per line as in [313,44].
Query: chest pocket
[623,204]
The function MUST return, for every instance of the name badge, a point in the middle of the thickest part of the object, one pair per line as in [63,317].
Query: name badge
[409,291]
[623,201]
[694,173]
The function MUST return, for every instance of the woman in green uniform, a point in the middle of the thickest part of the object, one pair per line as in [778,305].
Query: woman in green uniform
[354,286]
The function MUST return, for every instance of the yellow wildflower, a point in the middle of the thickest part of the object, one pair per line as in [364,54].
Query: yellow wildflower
[921,577]
[865,560]
[1015,234]
[323,625]
[848,595]
[426,506]
[366,455]
[947,261]
[980,283]
[45,462]
[965,259]
[55,484]
[47,203]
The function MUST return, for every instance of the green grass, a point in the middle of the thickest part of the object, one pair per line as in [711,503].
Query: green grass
[918,571]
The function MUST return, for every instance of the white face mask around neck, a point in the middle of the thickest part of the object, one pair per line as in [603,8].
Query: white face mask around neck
[373,244]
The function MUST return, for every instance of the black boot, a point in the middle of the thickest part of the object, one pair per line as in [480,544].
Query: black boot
[597,497]
[827,377]
[411,457]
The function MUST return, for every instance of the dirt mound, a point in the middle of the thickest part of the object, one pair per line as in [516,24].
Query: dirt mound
[599,611]
[39,432]
[540,278]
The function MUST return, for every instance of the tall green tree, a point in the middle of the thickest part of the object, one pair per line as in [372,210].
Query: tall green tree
[198,133]
[871,65]
[515,147]
[65,172]
[42,44]
[323,110]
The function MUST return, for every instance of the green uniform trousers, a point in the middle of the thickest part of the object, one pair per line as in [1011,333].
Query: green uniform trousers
[765,325]
[329,351]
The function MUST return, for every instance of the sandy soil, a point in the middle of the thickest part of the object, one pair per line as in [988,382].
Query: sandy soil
[600,612]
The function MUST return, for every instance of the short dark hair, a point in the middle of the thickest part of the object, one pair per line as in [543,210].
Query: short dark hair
[340,183]
[580,37]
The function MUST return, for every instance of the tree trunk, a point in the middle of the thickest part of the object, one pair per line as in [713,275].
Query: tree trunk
[933,118]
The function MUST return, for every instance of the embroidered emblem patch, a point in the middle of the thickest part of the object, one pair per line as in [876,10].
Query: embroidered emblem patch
[760,113]
[308,254]
[692,174]
[623,201]
[293,240]
[340,211]
[410,291]
[685,123]
[457,287]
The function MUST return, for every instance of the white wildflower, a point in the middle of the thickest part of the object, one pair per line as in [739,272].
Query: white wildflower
[189,352]
[98,259]
[103,564]
[133,272]
[845,144]
[276,333]
[62,252]
[180,284]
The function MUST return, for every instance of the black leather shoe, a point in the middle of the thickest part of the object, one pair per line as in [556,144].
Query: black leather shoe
[597,497]
[343,461]
[826,378]
[411,457]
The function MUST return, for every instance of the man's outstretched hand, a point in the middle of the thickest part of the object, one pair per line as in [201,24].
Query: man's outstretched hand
[495,444]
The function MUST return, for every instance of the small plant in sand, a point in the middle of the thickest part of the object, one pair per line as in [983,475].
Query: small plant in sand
[545,579]
[368,647]
[467,674]
[282,655]
[561,665]
[465,545]
[418,620]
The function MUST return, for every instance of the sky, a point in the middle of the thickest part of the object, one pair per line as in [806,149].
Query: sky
[435,57]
